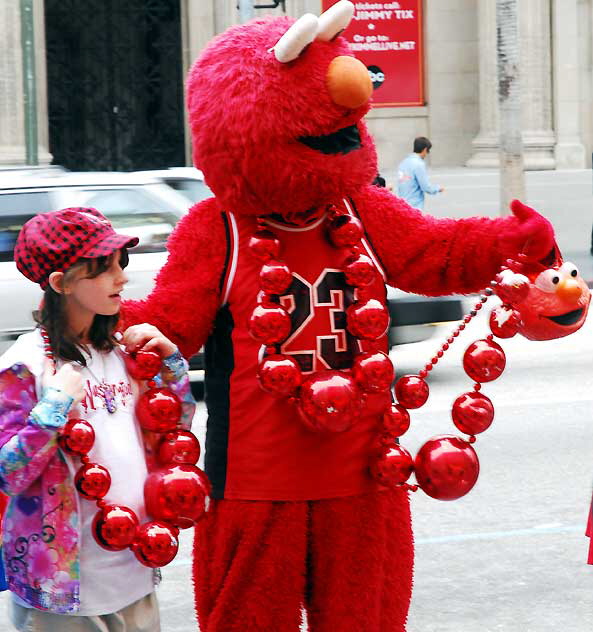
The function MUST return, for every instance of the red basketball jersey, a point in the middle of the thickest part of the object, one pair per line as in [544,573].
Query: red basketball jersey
[257,448]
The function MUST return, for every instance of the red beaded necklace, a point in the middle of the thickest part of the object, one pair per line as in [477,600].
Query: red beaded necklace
[175,493]
[329,400]
[446,467]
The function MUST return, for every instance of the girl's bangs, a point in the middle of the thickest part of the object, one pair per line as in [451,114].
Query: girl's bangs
[98,265]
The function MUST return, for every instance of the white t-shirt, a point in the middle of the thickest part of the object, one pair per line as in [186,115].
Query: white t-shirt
[109,580]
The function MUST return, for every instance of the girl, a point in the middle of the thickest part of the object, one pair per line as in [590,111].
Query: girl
[59,576]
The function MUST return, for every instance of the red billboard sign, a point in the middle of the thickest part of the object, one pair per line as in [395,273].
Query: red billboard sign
[387,37]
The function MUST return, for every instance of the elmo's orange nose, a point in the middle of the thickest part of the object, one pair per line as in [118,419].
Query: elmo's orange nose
[348,82]
[569,290]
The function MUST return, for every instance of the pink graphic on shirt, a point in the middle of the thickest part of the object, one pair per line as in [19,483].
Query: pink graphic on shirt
[94,398]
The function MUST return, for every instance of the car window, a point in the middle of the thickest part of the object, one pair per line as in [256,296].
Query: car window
[10,227]
[194,190]
[137,214]
[32,202]
[15,210]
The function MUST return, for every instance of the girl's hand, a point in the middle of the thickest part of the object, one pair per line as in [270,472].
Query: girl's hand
[67,379]
[147,337]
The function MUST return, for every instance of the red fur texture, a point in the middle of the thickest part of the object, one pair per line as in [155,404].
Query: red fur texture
[349,560]
[435,256]
[186,297]
[247,111]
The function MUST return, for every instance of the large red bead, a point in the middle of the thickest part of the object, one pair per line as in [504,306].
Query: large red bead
[446,467]
[411,391]
[512,287]
[329,401]
[396,420]
[359,270]
[504,321]
[158,410]
[484,360]
[345,231]
[264,245]
[377,403]
[367,319]
[472,413]
[143,365]
[180,446]
[114,527]
[279,374]
[76,436]
[269,325]
[373,372]
[275,277]
[156,544]
[177,494]
[392,466]
[92,481]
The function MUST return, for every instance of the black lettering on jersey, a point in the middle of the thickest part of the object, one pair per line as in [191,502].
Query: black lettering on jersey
[297,302]
[335,350]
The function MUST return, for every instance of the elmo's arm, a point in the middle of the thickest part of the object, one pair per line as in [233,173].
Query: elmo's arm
[435,256]
[186,296]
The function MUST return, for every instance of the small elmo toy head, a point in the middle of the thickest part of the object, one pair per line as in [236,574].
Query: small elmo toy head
[275,109]
[550,296]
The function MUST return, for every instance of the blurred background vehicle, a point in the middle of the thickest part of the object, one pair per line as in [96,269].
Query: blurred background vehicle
[414,317]
[147,204]
[136,204]
[188,181]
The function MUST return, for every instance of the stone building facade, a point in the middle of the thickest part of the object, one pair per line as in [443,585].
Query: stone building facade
[460,113]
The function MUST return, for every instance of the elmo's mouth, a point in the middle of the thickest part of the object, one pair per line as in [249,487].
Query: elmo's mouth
[570,318]
[343,141]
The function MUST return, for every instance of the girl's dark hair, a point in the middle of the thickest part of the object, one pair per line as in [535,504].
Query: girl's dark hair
[52,315]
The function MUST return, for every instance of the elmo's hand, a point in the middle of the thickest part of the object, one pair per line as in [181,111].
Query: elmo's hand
[528,233]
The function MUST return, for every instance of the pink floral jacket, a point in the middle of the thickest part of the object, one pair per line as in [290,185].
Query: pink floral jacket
[40,525]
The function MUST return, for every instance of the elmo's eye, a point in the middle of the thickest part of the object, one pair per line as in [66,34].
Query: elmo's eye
[568,269]
[547,280]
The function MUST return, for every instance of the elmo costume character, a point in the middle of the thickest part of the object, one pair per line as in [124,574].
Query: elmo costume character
[281,275]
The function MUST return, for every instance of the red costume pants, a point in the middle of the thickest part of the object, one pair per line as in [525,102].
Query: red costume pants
[347,561]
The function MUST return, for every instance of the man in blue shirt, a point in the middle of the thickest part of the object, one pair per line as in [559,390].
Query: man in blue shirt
[412,179]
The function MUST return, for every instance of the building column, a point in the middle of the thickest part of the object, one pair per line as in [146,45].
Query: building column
[569,150]
[12,131]
[41,84]
[197,29]
[536,78]
[485,144]
[12,128]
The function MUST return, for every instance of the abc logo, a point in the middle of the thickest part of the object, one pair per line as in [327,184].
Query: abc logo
[377,76]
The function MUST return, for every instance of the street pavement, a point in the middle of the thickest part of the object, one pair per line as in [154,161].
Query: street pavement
[510,556]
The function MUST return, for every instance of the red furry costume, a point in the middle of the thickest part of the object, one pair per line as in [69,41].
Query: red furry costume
[296,519]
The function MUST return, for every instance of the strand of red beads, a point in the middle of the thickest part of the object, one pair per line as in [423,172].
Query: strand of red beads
[175,493]
[393,464]
[447,467]
[327,400]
